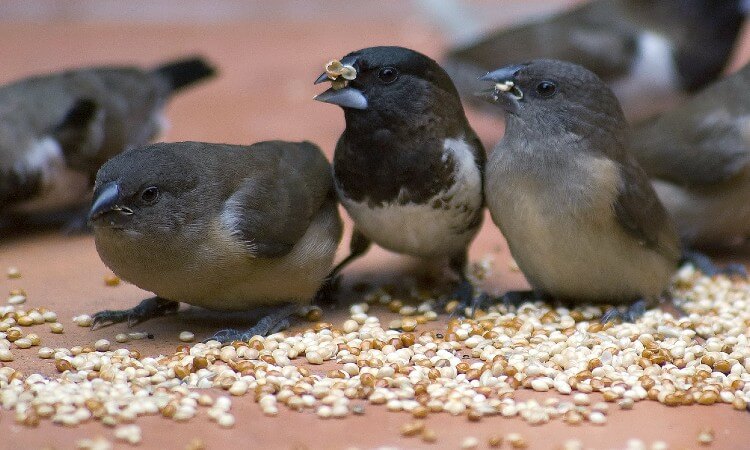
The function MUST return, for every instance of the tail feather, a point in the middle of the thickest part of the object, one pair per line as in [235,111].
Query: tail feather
[185,72]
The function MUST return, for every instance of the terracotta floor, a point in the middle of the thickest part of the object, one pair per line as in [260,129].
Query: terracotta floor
[264,92]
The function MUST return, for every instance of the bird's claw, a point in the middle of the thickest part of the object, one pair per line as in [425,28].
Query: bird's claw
[147,309]
[629,314]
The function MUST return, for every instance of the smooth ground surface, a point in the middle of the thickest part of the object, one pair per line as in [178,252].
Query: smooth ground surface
[264,92]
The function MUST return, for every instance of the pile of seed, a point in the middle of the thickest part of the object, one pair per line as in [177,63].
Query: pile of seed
[472,368]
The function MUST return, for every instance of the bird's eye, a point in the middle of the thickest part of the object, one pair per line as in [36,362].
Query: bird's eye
[546,89]
[388,75]
[150,194]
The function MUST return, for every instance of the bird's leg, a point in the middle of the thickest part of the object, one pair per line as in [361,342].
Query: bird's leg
[464,291]
[145,310]
[707,266]
[514,299]
[358,245]
[272,323]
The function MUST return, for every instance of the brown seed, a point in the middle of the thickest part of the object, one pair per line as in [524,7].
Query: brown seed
[62,365]
[723,366]
[429,435]
[420,412]
[111,280]
[412,428]
[314,315]
[495,441]
[474,415]
[181,371]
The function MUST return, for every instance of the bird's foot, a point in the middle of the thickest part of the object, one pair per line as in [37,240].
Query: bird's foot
[514,299]
[147,309]
[464,295]
[274,322]
[704,263]
[630,313]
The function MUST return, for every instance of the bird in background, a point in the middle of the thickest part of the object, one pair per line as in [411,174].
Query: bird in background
[651,53]
[56,131]
[408,167]
[223,227]
[579,214]
[698,156]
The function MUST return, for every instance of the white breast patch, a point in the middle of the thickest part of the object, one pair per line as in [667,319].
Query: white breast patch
[653,81]
[421,229]
[61,187]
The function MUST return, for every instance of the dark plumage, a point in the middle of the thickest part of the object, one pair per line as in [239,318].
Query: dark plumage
[225,227]
[408,166]
[649,52]
[57,130]
[579,215]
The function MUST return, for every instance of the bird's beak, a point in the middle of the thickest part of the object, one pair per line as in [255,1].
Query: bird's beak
[347,97]
[107,199]
[340,74]
[505,90]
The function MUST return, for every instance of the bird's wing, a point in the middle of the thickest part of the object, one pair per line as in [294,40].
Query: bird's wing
[272,210]
[640,213]
[603,43]
[704,141]
[693,150]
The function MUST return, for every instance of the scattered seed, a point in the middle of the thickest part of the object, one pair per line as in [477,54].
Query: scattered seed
[13,272]
[706,437]
[84,320]
[470,442]
[102,345]
[187,336]
[111,280]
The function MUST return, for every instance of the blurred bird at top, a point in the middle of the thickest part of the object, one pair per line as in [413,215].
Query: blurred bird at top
[698,156]
[56,130]
[649,52]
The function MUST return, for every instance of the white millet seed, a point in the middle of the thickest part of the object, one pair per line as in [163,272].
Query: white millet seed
[187,336]
[102,345]
[16,299]
[84,320]
[5,355]
[225,420]
[122,338]
[470,442]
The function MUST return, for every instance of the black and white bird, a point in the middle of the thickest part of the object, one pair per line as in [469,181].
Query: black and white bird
[224,227]
[57,130]
[649,52]
[579,214]
[698,156]
[408,167]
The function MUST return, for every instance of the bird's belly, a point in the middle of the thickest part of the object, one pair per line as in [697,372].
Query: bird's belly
[422,230]
[575,254]
[584,259]
[214,272]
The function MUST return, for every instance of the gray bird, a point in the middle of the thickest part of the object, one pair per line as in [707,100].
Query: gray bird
[650,52]
[698,156]
[57,130]
[224,227]
[408,166]
[579,214]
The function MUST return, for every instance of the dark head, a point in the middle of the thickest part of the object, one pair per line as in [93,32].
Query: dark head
[145,191]
[554,96]
[390,83]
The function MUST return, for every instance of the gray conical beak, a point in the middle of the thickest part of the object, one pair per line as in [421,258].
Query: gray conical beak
[322,78]
[347,97]
[503,74]
[106,199]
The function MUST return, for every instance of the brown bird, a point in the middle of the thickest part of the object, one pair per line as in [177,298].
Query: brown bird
[224,227]
[57,130]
